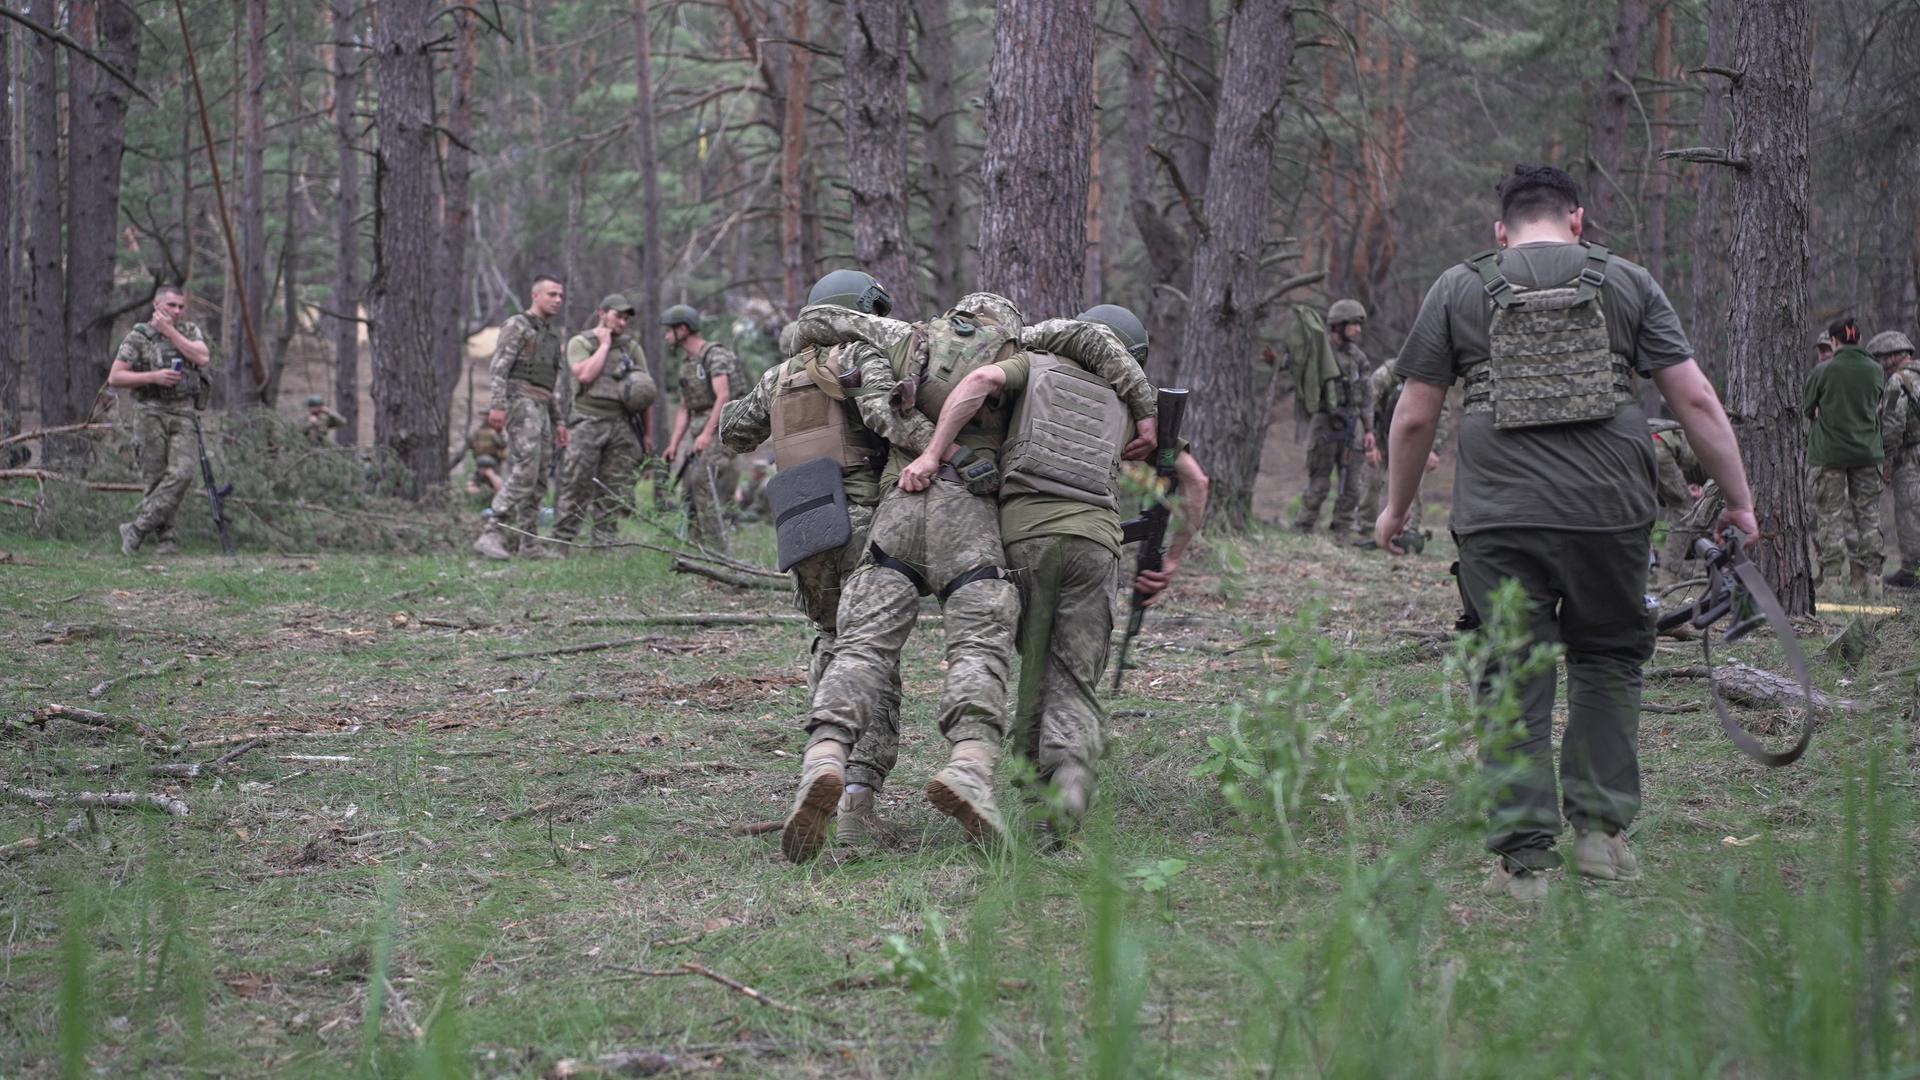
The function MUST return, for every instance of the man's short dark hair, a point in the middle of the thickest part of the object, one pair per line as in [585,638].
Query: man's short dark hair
[1533,192]
[542,279]
[1844,332]
[169,290]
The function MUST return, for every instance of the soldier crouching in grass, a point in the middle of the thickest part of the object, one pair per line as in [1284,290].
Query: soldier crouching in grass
[1554,490]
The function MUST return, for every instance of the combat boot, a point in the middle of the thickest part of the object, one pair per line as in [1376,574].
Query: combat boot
[130,538]
[1072,791]
[1857,579]
[964,789]
[1903,578]
[1602,855]
[860,821]
[1517,883]
[535,548]
[823,775]
[166,546]
[491,546]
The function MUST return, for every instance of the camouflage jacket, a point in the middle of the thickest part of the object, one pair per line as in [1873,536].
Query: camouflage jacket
[320,426]
[1900,412]
[147,349]
[1379,387]
[1677,466]
[518,334]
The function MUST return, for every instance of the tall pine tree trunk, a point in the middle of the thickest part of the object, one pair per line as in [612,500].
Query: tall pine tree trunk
[1219,349]
[450,279]
[1607,209]
[1661,182]
[793,160]
[407,419]
[46,279]
[1039,117]
[1768,332]
[940,135]
[1709,281]
[9,304]
[876,66]
[646,160]
[346,224]
[96,138]
[250,217]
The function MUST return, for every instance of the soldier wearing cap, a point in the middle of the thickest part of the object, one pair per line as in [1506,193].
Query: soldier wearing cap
[321,421]
[609,428]
[1333,434]
[701,461]
[1900,440]
[1822,348]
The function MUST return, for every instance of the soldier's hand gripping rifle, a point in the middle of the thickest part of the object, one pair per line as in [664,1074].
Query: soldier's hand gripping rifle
[1150,528]
[216,493]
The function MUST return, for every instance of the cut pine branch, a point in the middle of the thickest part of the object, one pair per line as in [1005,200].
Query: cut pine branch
[1707,155]
[99,720]
[96,800]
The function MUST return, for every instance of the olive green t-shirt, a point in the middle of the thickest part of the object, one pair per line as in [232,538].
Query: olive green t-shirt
[1590,477]
[1843,399]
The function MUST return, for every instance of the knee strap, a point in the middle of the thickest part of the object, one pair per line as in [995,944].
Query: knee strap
[880,558]
[978,573]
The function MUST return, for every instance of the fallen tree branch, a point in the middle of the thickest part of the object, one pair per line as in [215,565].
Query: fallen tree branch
[572,650]
[41,433]
[259,737]
[1707,155]
[696,618]
[316,759]
[756,828]
[49,476]
[1747,685]
[627,1063]
[740,988]
[528,812]
[101,689]
[99,720]
[725,575]
[26,845]
[118,800]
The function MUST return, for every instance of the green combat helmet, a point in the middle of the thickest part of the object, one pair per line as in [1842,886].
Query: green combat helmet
[315,401]
[854,289]
[1346,311]
[486,461]
[1888,342]
[1132,332]
[681,315]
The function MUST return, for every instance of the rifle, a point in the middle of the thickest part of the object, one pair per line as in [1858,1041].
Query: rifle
[1150,528]
[216,494]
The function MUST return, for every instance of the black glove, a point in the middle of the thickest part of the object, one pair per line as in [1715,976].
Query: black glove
[978,471]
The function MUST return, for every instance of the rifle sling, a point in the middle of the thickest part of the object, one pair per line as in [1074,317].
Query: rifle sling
[1769,604]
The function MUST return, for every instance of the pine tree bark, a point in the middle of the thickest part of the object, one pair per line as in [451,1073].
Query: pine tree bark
[250,215]
[876,87]
[450,277]
[1768,332]
[9,303]
[1607,139]
[46,280]
[793,161]
[1661,182]
[1039,118]
[406,418]
[1709,281]
[646,160]
[1218,351]
[940,135]
[345,300]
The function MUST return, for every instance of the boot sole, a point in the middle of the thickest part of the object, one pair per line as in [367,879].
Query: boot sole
[1604,871]
[806,829]
[957,806]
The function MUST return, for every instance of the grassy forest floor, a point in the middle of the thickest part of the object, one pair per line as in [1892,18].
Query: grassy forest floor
[465,863]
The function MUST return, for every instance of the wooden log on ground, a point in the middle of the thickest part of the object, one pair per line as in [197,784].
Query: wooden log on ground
[102,688]
[97,800]
[572,650]
[726,575]
[1747,685]
[99,720]
[46,476]
[258,737]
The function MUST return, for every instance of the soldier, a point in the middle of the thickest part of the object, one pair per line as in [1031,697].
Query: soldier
[485,482]
[1822,348]
[1900,442]
[833,402]
[941,539]
[528,402]
[321,421]
[1679,486]
[1843,401]
[610,427]
[1376,419]
[1060,523]
[703,466]
[164,362]
[1552,492]
[1333,434]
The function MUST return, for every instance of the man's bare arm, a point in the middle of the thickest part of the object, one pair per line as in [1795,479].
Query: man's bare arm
[1697,407]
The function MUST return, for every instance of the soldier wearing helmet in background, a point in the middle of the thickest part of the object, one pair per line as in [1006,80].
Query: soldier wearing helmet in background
[1376,422]
[1900,439]
[321,421]
[609,428]
[703,465]
[1333,400]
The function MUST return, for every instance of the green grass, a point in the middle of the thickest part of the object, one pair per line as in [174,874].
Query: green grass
[485,888]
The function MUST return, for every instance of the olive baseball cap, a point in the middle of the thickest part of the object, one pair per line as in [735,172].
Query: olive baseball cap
[616,302]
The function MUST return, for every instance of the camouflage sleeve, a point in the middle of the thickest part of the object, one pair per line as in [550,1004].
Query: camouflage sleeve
[190,331]
[564,385]
[1446,422]
[722,361]
[1097,349]
[1893,416]
[911,432]
[1378,385]
[1672,485]
[129,351]
[828,325]
[746,422]
[506,349]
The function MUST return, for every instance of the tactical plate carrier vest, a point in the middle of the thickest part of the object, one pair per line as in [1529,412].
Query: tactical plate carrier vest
[538,362]
[945,352]
[624,387]
[157,353]
[1550,362]
[1066,435]
[809,414]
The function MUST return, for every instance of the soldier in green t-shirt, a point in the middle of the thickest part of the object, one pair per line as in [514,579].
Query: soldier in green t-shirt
[1554,490]
[1844,452]
[609,428]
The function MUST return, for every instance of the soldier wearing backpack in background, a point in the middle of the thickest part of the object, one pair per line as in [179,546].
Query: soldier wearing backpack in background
[1330,389]
[1554,490]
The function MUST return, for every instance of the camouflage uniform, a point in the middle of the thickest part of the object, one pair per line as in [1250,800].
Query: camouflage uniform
[1697,521]
[320,425]
[528,346]
[1333,442]
[603,456]
[1380,387]
[709,481]
[1900,438]
[169,454]
[1844,398]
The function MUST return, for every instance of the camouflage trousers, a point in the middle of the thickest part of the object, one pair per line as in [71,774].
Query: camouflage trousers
[1906,505]
[529,451]
[1328,456]
[596,476]
[816,586]
[1692,524]
[1373,491]
[169,458]
[1066,625]
[1847,526]
[940,535]
[707,488]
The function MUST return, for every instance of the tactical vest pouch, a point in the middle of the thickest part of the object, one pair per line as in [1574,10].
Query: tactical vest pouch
[538,362]
[809,419]
[1550,361]
[1066,436]
[809,510]
[954,345]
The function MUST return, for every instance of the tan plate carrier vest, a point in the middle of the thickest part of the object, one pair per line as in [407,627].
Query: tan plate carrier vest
[809,415]
[1067,433]
[1550,360]
[623,380]
[539,359]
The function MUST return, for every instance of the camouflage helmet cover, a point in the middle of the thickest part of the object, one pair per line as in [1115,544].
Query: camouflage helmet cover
[995,309]
[681,315]
[314,401]
[1887,342]
[1346,311]
[1132,332]
[855,289]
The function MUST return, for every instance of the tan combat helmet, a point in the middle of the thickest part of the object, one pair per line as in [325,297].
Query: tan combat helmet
[1888,342]
[1346,311]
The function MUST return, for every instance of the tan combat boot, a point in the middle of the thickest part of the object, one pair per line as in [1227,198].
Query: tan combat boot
[823,775]
[964,789]
[860,821]
[1515,884]
[129,539]
[533,547]
[1597,854]
[1072,792]
[491,546]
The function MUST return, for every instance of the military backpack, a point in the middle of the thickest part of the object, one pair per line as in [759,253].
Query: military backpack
[1066,435]
[1550,360]
[944,351]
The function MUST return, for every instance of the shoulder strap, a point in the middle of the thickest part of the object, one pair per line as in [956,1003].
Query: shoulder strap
[1593,273]
[1498,289]
[820,376]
